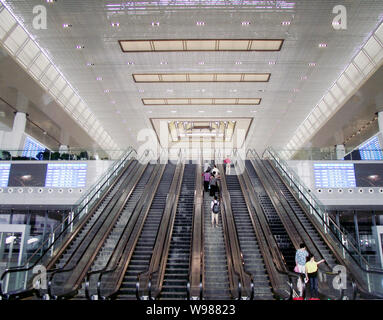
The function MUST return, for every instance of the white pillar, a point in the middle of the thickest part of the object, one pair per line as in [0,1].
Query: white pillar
[63,149]
[13,140]
[340,151]
[380,121]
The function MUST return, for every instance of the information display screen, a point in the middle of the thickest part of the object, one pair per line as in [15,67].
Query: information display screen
[66,175]
[27,175]
[334,175]
[4,174]
[32,148]
[371,150]
[369,175]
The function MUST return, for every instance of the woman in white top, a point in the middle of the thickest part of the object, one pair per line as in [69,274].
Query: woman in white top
[215,171]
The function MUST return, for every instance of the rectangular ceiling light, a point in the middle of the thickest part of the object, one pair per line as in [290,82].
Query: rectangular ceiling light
[202,77]
[201,45]
[199,101]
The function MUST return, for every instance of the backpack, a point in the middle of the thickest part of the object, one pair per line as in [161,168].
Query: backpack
[216,208]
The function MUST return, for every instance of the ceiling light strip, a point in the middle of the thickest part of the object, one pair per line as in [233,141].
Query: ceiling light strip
[199,101]
[200,77]
[364,71]
[201,45]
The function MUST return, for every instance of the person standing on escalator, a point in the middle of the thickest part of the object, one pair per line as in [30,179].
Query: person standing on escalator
[300,263]
[206,180]
[312,275]
[213,184]
[215,210]
[227,165]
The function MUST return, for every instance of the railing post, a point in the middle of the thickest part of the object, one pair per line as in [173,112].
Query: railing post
[26,277]
[53,240]
[87,206]
[344,242]
[325,223]
[71,221]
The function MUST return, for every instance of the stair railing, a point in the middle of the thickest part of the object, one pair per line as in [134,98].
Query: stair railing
[367,276]
[108,269]
[62,232]
[237,271]
[196,266]
[136,175]
[322,273]
[273,258]
[153,277]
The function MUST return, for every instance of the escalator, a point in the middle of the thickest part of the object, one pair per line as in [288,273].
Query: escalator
[323,248]
[86,228]
[276,226]
[252,255]
[216,280]
[300,229]
[177,266]
[66,280]
[112,240]
[144,248]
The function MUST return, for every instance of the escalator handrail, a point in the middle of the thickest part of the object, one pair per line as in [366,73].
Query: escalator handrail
[198,198]
[63,269]
[57,227]
[269,176]
[26,266]
[164,239]
[327,272]
[376,295]
[106,269]
[270,238]
[302,226]
[323,220]
[238,253]
[286,272]
[372,270]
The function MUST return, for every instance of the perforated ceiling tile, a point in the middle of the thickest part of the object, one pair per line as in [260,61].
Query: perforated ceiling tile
[102,57]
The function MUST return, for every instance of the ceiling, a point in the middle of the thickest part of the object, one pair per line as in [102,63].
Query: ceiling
[89,54]
[47,122]
[356,121]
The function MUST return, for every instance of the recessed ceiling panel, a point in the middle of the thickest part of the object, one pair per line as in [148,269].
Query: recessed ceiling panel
[199,101]
[201,45]
[202,77]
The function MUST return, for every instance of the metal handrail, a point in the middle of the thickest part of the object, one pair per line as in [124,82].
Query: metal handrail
[66,270]
[316,201]
[228,248]
[372,270]
[172,201]
[364,270]
[290,273]
[106,269]
[268,237]
[26,266]
[198,197]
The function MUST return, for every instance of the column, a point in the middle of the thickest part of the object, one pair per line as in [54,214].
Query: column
[13,140]
[357,239]
[63,149]
[380,121]
[340,151]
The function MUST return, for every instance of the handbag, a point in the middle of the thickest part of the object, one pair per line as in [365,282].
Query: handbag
[296,269]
